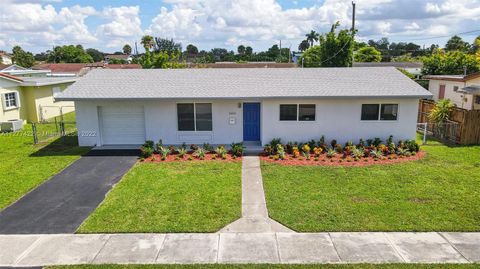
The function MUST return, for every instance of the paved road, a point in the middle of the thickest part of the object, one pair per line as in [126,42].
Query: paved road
[62,203]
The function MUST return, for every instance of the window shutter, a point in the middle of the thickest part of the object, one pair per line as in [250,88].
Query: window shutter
[17,99]
[4,101]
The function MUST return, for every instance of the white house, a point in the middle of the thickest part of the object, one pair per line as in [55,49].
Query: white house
[220,106]
[462,90]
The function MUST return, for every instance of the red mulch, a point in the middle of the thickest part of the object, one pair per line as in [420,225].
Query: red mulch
[156,158]
[335,161]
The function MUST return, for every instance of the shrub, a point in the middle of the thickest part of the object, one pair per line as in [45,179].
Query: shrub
[193,147]
[274,143]
[182,152]
[295,152]
[190,158]
[377,141]
[184,145]
[148,144]
[207,147]
[237,149]
[281,151]
[311,144]
[317,151]
[316,159]
[376,154]
[321,142]
[221,152]
[357,153]
[172,149]
[275,157]
[199,153]
[402,151]
[333,143]
[306,151]
[361,143]
[146,152]
[339,148]
[164,151]
[331,153]
[412,145]
[268,149]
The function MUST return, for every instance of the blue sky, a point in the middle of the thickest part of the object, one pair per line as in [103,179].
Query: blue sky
[38,25]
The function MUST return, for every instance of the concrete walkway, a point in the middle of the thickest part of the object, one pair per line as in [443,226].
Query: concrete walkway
[40,250]
[254,206]
[63,202]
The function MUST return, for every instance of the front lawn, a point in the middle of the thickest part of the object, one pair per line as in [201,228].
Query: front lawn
[24,166]
[196,196]
[438,193]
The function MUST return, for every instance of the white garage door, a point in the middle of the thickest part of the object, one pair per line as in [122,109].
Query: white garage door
[122,125]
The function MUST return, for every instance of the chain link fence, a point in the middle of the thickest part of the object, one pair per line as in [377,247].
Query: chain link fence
[447,132]
[56,127]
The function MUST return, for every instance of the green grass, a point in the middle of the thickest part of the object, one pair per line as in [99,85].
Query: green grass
[438,193]
[265,266]
[24,166]
[171,197]
[51,128]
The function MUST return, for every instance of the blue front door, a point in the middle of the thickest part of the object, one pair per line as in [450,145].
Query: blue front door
[251,122]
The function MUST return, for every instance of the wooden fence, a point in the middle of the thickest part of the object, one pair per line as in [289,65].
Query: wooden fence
[468,122]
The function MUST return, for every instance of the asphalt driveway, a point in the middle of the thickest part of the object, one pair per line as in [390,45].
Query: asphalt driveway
[62,203]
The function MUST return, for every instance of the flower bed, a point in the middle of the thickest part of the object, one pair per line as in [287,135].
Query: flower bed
[369,152]
[151,152]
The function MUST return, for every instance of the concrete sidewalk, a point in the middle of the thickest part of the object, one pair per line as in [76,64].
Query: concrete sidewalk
[40,250]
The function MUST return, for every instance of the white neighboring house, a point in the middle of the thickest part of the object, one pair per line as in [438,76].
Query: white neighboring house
[220,106]
[462,90]
[6,58]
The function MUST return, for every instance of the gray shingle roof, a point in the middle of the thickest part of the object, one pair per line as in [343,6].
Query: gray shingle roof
[243,83]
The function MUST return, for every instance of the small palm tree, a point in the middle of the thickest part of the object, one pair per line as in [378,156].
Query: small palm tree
[147,42]
[312,37]
[440,113]
[304,45]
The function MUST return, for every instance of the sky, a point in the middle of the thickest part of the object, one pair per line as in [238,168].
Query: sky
[37,25]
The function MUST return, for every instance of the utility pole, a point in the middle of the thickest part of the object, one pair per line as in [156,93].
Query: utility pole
[353,29]
[136,49]
[280,50]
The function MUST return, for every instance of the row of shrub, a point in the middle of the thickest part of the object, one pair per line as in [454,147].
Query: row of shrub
[375,148]
[149,148]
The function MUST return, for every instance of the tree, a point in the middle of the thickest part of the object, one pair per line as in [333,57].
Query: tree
[161,60]
[449,63]
[312,57]
[440,113]
[147,42]
[127,49]
[312,37]
[96,55]
[40,57]
[304,45]
[368,54]
[167,45]
[248,50]
[69,54]
[457,43]
[191,49]
[22,58]
[241,49]
[476,48]
[336,49]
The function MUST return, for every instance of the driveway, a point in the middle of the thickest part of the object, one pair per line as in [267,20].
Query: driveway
[62,203]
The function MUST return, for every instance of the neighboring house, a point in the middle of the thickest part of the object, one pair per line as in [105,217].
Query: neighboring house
[18,71]
[79,69]
[296,57]
[6,58]
[125,57]
[242,65]
[31,99]
[462,90]
[220,106]
[414,68]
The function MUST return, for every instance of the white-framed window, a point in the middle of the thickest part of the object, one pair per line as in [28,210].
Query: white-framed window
[297,112]
[56,91]
[10,100]
[383,112]
[194,116]
[477,99]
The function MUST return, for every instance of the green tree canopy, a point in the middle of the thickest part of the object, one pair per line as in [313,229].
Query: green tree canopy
[457,43]
[248,50]
[241,49]
[147,42]
[96,55]
[312,57]
[127,49]
[69,54]
[304,45]
[22,58]
[167,45]
[449,63]
[191,49]
[368,54]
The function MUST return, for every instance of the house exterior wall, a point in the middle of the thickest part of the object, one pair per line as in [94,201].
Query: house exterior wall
[336,119]
[16,113]
[42,105]
[461,100]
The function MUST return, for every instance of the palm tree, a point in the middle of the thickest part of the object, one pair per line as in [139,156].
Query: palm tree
[241,49]
[312,37]
[304,45]
[147,42]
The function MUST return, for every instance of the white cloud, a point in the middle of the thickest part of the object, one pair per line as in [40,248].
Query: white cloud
[124,26]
